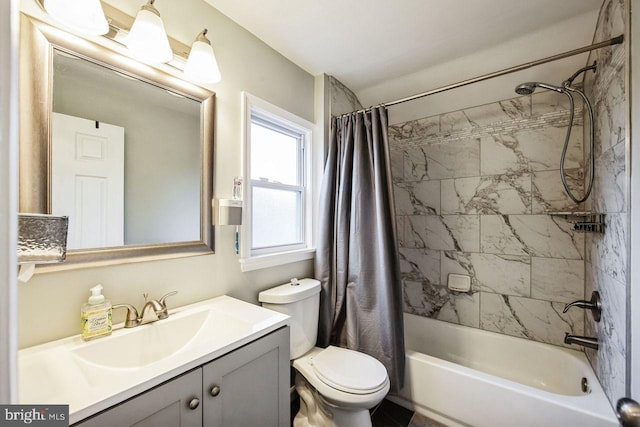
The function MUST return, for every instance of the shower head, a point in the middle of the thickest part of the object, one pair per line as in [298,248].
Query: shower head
[525,88]
[529,87]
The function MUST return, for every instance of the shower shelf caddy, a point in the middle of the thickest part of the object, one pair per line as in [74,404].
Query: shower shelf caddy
[585,222]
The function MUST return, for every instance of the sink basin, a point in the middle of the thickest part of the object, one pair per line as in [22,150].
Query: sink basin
[143,344]
[92,376]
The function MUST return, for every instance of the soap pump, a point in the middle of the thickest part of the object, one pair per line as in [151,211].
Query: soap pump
[96,315]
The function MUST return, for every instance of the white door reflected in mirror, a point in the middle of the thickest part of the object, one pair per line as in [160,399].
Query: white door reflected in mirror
[88,180]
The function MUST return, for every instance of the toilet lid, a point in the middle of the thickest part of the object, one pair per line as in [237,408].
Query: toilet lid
[349,371]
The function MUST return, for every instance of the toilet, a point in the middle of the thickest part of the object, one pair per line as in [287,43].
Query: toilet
[337,386]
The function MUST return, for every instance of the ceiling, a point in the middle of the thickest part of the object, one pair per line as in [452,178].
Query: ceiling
[366,42]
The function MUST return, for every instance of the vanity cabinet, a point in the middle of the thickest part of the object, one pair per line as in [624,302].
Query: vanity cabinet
[248,386]
[164,406]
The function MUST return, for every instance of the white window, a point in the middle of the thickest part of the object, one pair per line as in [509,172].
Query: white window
[277,206]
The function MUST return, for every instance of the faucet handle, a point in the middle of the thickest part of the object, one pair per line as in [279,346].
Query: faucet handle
[164,298]
[594,305]
[163,314]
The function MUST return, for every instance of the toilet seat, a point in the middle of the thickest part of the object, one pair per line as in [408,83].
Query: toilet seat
[349,371]
[347,400]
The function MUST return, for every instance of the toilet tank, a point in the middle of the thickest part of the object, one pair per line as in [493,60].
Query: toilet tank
[299,299]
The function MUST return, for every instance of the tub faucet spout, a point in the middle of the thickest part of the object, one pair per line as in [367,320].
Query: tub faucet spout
[589,342]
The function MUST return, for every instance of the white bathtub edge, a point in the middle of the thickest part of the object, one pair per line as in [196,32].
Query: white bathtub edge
[449,392]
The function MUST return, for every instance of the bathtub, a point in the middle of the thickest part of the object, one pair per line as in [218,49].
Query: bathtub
[464,376]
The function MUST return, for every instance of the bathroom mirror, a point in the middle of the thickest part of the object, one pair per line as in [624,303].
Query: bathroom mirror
[123,149]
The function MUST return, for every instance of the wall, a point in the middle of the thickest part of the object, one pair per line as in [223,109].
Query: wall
[563,36]
[472,189]
[49,303]
[8,199]
[606,256]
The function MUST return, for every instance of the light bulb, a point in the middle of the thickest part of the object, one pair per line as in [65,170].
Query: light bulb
[147,40]
[201,65]
[82,16]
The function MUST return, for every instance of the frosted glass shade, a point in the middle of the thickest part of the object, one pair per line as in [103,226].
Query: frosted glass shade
[147,40]
[82,16]
[201,65]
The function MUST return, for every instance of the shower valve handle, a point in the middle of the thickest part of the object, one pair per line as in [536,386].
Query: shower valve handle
[594,305]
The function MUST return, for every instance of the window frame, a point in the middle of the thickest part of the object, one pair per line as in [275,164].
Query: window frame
[257,117]
[278,119]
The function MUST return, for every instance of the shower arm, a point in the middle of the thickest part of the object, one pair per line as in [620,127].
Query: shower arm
[570,80]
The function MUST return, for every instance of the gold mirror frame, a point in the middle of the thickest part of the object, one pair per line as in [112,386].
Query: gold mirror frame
[37,42]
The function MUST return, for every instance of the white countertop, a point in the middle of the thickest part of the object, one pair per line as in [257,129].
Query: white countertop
[60,372]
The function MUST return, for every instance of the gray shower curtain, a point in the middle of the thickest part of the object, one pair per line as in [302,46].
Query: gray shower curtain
[357,251]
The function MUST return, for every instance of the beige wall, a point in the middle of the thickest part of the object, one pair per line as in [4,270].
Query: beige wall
[8,199]
[49,304]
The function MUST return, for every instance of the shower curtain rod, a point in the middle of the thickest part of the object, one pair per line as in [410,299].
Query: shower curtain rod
[610,42]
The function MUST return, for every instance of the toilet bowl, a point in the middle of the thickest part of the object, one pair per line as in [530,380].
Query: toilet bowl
[337,386]
[344,377]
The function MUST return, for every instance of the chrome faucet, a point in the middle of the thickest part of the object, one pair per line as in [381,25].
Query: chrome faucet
[131,321]
[152,311]
[589,342]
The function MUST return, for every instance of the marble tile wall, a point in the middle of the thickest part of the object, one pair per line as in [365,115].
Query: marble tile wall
[472,189]
[341,99]
[606,255]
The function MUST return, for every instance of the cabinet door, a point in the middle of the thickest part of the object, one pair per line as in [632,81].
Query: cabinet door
[249,386]
[167,405]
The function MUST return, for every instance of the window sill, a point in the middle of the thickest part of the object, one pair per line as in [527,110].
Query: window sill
[273,260]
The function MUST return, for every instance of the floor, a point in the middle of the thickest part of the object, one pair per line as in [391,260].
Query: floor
[387,414]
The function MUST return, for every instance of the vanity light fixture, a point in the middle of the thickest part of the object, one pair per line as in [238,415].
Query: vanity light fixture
[201,65]
[145,36]
[147,40]
[82,16]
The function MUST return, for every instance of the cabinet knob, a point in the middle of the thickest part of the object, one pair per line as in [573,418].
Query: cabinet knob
[215,390]
[194,403]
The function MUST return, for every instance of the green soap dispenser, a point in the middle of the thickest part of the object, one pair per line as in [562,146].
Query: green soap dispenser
[96,315]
